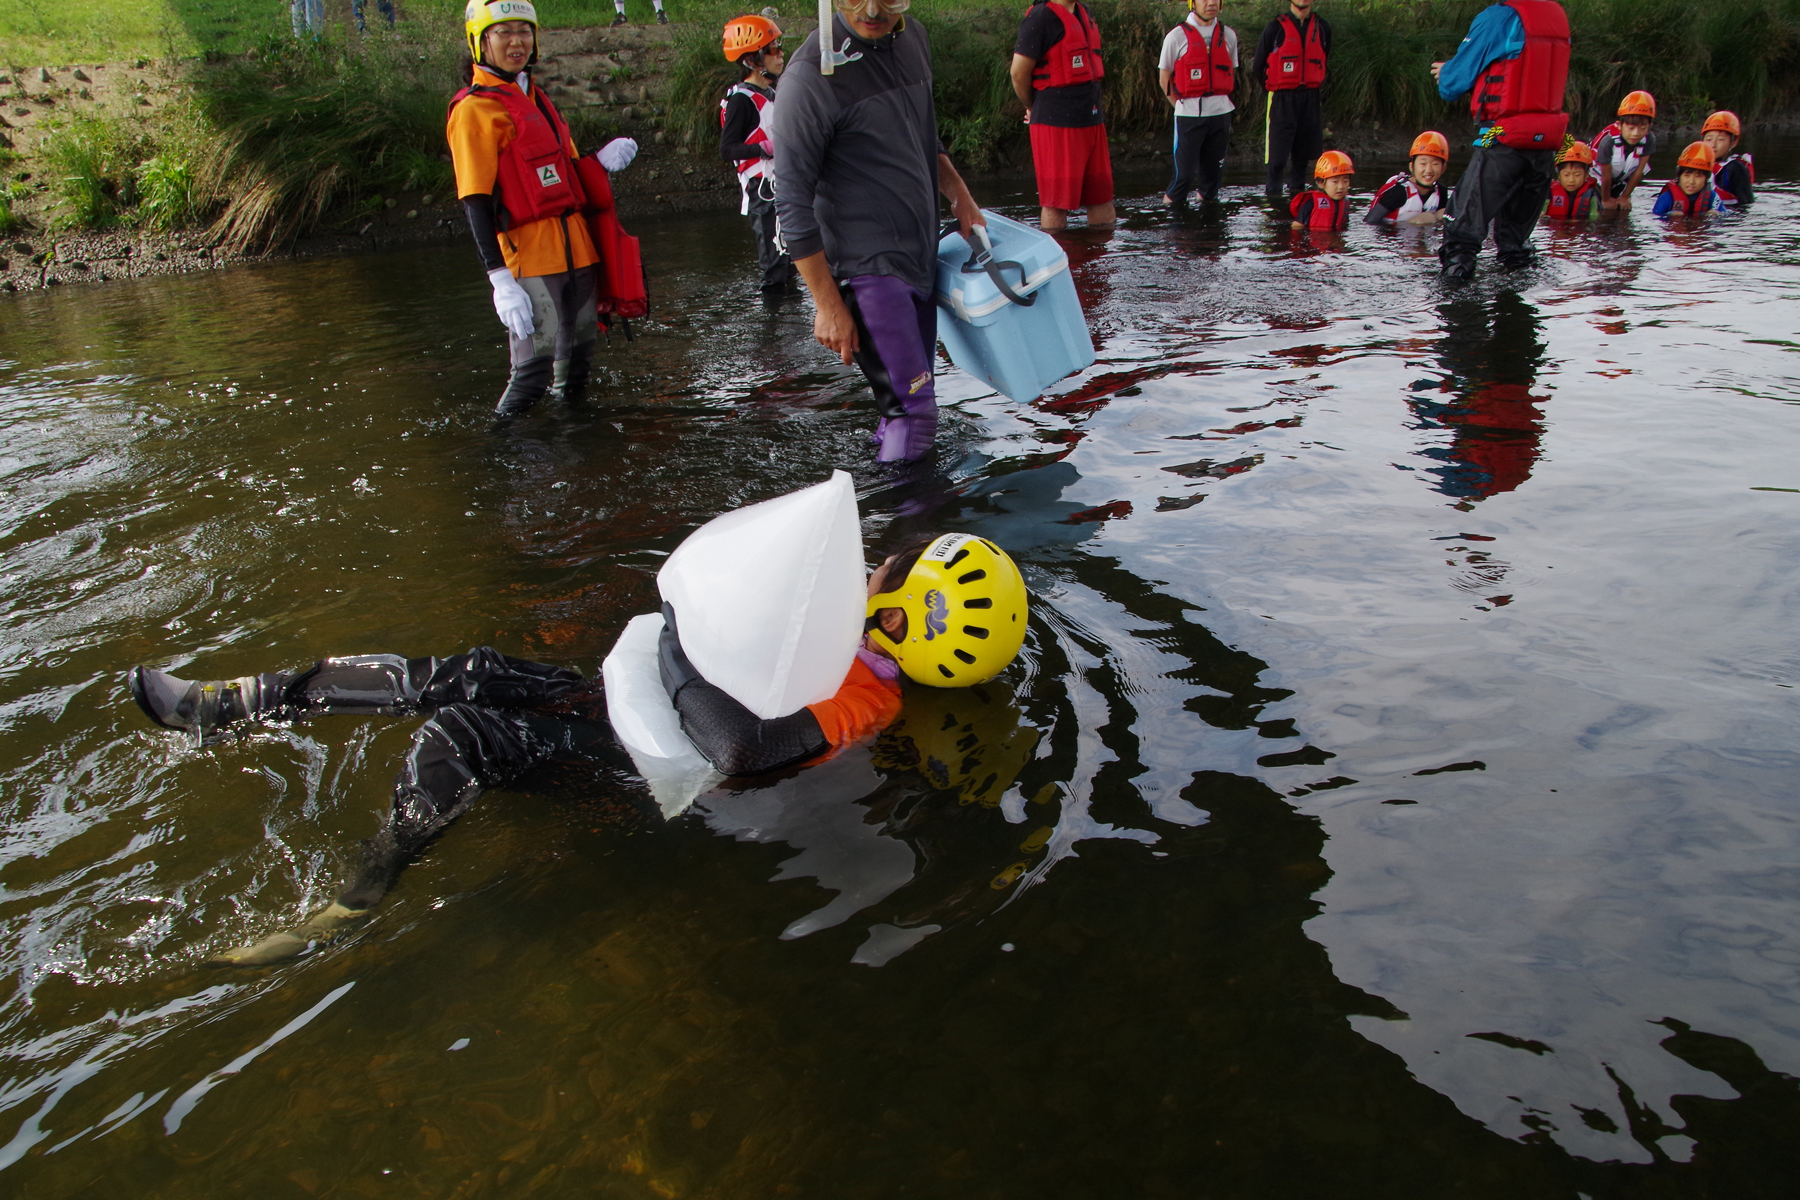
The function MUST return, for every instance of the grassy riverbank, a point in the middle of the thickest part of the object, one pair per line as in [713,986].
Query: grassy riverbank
[222,121]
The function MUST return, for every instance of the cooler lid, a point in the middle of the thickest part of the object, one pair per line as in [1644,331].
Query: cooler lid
[1024,259]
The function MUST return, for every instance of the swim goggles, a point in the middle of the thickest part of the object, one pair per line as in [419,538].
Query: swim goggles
[873,8]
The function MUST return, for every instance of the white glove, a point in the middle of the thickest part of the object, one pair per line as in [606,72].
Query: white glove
[617,154]
[511,302]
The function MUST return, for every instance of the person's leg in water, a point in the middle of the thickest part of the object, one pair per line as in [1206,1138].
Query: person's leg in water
[1278,141]
[777,269]
[575,337]
[896,328]
[1517,216]
[1496,189]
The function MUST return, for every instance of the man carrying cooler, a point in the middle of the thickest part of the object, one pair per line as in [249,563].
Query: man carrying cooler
[861,167]
[1290,63]
[1197,71]
[1513,65]
[1056,73]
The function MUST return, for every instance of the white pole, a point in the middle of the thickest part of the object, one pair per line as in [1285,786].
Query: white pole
[826,58]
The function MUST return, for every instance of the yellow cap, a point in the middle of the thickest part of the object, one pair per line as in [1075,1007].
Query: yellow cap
[965,606]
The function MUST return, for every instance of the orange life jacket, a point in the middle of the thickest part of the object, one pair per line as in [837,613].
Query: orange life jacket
[1299,62]
[1522,97]
[1203,70]
[1074,59]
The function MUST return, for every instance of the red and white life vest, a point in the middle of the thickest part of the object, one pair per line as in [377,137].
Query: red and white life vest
[1324,212]
[1203,70]
[1416,201]
[1075,58]
[535,178]
[1566,205]
[1625,158]
[1523,96]
[750,170]
[1299,62]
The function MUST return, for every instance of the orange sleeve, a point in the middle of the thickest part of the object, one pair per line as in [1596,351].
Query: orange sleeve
[478,130]
[863,707]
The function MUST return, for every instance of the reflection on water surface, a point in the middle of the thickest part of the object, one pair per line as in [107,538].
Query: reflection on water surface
[1395,795]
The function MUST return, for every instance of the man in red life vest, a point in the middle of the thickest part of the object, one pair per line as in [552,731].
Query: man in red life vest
[1197,71]
[1290,63]
[1512,64]
[1056,72]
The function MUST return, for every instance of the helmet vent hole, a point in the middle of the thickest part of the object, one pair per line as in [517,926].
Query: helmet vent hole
[945,671]
[978,602]
[975,631]
[965,656]
[972,576]
[957,557]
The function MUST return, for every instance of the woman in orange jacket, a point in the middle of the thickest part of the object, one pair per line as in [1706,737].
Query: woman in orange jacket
[517,176]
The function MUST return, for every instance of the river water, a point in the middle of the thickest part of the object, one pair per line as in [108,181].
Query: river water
[1396,795]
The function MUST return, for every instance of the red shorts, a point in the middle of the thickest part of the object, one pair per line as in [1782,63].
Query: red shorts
[1074,168]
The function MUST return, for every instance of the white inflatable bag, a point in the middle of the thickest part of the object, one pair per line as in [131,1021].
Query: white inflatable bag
[769,599]
[647,724]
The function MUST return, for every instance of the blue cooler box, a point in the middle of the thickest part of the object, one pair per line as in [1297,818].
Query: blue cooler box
[1011,319]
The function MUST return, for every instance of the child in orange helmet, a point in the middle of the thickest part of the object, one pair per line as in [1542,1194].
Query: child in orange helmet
[1734,178]
[1691,192]
[1622,152]
[1325,205]
[1575,196]
[1413,197]
[754,44]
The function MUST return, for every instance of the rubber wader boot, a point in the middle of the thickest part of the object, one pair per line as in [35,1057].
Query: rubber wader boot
[530,380]
[569,380]
[1517,260]
[1458,263]
[205,707]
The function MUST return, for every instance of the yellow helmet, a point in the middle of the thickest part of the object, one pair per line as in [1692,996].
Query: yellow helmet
[481,14]
[965,609]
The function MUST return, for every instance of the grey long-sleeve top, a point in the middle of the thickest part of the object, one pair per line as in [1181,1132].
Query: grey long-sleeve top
[856,165]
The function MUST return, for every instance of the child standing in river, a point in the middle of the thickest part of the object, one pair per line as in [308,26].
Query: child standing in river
[1326,204]
[754,44]
[1622,152]
[1735,175]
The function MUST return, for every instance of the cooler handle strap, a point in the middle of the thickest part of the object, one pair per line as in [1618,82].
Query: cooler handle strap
[984,260]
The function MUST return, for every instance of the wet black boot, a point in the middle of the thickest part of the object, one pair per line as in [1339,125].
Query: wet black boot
[1517,260]
[1458,263]
[205,707]
[530,380]
[569,380]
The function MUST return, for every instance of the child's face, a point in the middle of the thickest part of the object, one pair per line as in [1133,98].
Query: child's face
[1691,181]
[1573,175]
[1718,141]
[1633,129]
[1337,187]
[1427,169]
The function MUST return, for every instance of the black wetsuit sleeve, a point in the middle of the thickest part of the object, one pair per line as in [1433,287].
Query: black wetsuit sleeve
[479,209]
[1265,46]
[733,739]
[740,123]
[1389,201]
[1737,181]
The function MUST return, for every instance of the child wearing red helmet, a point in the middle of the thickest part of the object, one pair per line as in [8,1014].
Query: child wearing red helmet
[754,44]
[1414,197]
[1326,204]
[1690,193]
[1622,152]
[1734,178]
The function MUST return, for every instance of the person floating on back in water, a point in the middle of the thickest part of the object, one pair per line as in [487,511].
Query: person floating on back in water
[1414,197]
[1691,192]
[1513,65]
[754,43]
[861,170]
[1056,73]
[516,176]
[1198,71]
[1735,175]
[1622,152]
[948,611]
[1575,196]
[1290,63]
[1326,204]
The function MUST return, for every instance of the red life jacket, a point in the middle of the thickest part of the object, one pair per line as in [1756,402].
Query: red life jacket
[1686,205]
[749,170]
[1203,70]
[1566,205]
[1522,98]
[620,289]
[535,179]
[1323,212]
[1076,57]
[1300,59]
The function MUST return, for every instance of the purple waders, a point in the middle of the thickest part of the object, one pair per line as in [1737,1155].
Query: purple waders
[896,326]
